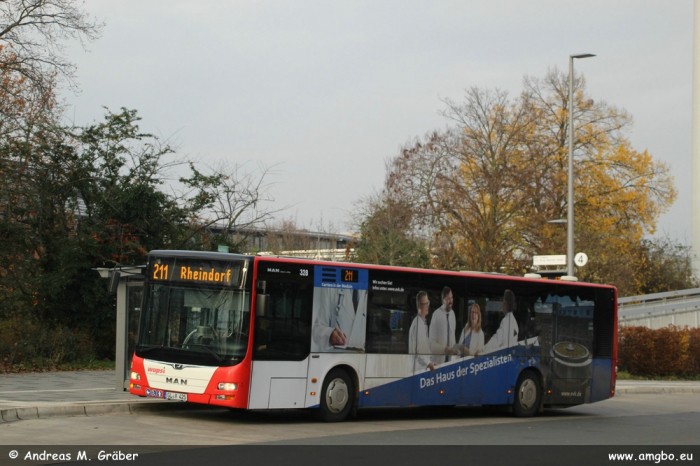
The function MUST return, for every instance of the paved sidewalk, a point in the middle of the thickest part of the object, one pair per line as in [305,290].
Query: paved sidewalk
[76,393]
[81,393]
[32,389]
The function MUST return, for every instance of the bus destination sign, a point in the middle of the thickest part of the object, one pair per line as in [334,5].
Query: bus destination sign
[196,271]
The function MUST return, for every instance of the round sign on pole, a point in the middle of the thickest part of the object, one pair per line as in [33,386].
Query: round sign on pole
[581,259]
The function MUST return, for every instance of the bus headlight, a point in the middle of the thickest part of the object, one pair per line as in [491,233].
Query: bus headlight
[228,386]
[135,375]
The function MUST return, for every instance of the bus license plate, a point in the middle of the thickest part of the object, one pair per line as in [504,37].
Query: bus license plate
[176,396]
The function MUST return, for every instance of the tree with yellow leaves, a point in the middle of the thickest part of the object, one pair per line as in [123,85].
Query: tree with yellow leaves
[484,189]
[619,191]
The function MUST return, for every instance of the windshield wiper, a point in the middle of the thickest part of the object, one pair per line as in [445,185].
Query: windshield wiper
[214,353]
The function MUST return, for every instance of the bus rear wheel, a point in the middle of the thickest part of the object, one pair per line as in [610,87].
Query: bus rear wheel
[527,395]
[337,396]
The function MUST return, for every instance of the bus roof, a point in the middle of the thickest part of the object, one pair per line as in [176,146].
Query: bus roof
[229,256]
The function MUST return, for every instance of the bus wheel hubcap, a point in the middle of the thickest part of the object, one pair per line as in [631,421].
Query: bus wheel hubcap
[528,394]
[337,395]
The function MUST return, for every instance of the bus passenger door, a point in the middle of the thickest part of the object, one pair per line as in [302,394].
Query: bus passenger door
[282,336]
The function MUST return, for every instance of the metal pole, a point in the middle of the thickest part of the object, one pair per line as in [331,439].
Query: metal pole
[570,192]
[695,159]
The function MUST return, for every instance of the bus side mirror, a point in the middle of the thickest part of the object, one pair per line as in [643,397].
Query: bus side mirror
[262,305]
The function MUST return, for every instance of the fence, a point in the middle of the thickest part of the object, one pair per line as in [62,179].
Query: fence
[659,310]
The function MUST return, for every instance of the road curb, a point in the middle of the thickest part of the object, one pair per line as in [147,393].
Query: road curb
[657,391]
[96,409]
[9,415]
[27,413]
[107,408]
[60,411]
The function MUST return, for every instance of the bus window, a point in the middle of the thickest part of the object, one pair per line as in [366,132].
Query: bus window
[390,310]
[284,333]
[206,323]
[389,319]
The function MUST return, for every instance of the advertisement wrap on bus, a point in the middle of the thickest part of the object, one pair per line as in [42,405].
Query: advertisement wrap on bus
[255,332]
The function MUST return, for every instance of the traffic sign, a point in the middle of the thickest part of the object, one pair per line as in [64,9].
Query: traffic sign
[549,260]
[581,259]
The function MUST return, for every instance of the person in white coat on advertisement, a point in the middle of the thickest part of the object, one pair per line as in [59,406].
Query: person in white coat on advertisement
[507,333]
[472,337]
[443,325]
[339,319]
[418,340]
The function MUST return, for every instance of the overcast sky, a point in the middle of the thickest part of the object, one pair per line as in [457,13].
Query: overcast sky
[326,91]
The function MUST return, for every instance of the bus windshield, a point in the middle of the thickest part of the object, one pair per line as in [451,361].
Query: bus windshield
[203,325]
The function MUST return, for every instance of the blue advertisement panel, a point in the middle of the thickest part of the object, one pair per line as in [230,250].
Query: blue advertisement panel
[447,340]
[347,278]
[339,309]
[468,381]
[469,341]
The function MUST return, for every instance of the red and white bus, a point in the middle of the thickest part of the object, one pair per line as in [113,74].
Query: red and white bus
[256,332]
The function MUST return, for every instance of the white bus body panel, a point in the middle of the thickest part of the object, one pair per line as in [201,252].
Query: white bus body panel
[287,393]
[286,375]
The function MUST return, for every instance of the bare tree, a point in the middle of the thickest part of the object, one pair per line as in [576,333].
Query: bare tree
[229,200]
[287,235]
[33,34]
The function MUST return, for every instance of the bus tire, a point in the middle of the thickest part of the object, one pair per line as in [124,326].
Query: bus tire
[337,396]
[528,395]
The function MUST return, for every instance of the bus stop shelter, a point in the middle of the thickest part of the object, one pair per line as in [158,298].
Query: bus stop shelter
[127,283]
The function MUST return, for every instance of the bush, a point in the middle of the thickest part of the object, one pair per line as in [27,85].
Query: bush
[30,345]
[662,352]
[694,349]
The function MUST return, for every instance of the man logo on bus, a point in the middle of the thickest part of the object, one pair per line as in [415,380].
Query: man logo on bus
[176,381]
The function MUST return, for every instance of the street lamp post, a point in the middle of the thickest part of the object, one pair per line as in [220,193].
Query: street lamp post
[570,195]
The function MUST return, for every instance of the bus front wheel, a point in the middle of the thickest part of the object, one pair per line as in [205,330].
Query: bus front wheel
[527,395]
[337,396]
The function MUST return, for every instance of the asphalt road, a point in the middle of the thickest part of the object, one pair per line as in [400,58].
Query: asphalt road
[669,419]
